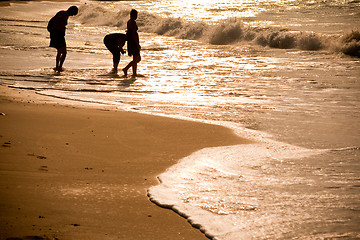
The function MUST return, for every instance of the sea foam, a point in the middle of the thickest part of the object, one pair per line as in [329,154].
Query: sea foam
[229,31]
[215,188]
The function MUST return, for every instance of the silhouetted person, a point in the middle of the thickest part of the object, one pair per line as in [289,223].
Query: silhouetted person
[133,44]
[115,42]
[57,27]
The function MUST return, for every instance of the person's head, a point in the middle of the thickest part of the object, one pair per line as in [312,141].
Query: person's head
[133,14]
[73,10]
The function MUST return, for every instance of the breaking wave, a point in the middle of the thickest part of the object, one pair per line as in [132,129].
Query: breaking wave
[230,31]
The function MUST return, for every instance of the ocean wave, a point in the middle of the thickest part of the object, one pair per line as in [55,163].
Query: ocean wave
[228,32]
[351,44]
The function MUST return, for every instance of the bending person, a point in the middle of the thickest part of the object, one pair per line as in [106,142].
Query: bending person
[114,43]
[57,27]
[133,43]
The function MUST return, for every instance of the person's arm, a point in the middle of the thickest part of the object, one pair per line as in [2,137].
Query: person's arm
[121,42]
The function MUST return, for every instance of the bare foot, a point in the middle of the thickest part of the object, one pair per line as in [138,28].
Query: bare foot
[125,72]
[113,71]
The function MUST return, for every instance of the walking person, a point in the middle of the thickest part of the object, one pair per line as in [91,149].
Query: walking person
[133,45]
[57,27]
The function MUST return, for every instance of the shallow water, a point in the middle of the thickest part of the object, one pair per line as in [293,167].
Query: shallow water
[278,72]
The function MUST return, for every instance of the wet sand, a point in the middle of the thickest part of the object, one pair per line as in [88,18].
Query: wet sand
[76,173]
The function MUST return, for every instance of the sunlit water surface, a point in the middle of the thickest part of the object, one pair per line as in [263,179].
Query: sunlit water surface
[274,71]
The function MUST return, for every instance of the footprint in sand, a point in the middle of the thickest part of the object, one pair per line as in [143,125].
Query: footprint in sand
[7,144]
[43,168]
[37,156]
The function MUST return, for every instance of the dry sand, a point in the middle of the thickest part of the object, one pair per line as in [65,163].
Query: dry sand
[77,173]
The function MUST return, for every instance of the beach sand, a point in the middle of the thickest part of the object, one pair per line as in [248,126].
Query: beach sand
[81,173]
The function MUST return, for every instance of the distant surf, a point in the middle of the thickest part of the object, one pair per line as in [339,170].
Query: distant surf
[231,31]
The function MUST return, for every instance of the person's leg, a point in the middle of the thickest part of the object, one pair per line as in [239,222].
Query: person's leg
[134,67]
[136,60]
[58,55]
[125,69]
[133,64]
[116,60]
[61,56]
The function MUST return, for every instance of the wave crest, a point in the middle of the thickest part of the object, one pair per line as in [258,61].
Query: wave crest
[351,44]
[231,31]
[226,33]
[99,16]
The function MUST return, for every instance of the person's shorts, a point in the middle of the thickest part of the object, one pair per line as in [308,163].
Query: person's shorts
[136,56]
[57,39]
[134,52]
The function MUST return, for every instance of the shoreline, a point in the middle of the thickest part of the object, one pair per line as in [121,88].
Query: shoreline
[74,173]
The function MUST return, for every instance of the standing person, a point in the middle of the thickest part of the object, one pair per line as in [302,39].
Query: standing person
[133,43]
[57,27]
[114,43]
